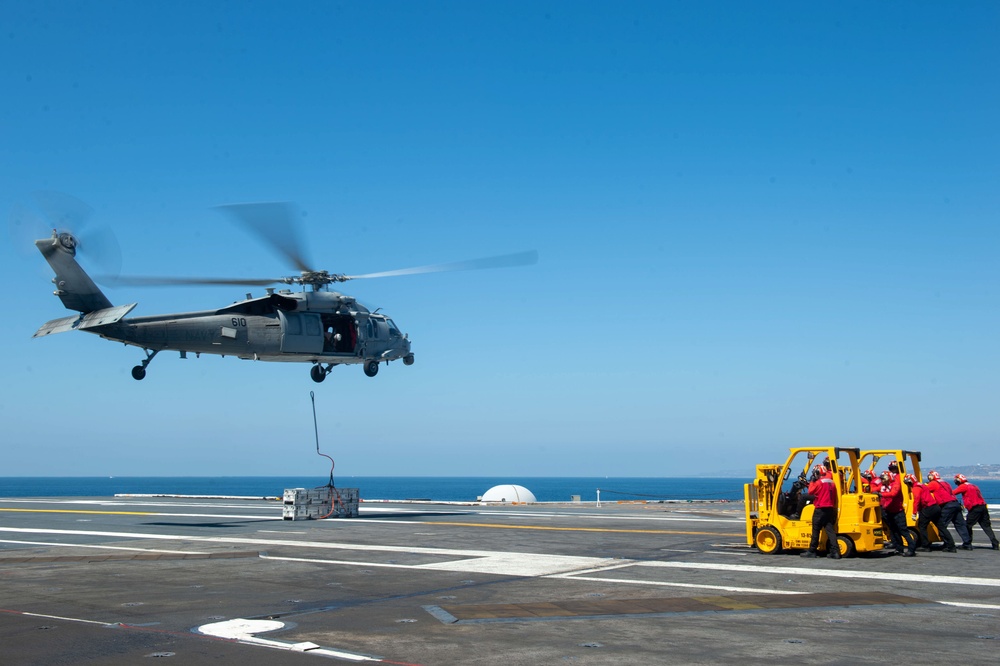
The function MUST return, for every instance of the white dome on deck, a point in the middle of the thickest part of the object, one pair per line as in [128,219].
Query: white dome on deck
[509,493]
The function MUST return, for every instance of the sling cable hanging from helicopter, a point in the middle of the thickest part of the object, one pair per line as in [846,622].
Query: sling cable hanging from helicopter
[334,494]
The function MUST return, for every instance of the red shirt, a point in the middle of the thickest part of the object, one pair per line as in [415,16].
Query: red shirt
[891,497]
[825,492]
[921,498]
[970,495]
[941,492]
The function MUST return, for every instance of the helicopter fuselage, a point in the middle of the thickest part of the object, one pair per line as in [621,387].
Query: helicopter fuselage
[313,327]
[325,328]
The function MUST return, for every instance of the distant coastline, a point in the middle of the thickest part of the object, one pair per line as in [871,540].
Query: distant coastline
[990,472]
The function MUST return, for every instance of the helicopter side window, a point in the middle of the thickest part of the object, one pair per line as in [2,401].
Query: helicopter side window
[393,331]
[369,330]
[312,325]
[293,325]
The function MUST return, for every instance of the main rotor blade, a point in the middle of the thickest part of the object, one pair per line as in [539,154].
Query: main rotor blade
[501,261]
[63,211]
[151,281]
[24,227]
[276,223]
[99,247]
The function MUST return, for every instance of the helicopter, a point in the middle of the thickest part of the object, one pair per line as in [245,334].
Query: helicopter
[314,325]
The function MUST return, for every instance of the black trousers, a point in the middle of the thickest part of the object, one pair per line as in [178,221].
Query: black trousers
[980,515]
[824,519]
[899,534]
[932,514]
[952,513]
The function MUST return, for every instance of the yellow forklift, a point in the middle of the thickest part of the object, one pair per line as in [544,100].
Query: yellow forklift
[778,519]
[877,461]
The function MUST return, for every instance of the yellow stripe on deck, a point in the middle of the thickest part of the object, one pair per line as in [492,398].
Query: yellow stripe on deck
[579,529]
[109,513]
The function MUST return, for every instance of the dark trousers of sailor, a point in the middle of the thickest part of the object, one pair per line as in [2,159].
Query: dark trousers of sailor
[952,513]
[980,515]
[932,514]
[824,519]
[899,535]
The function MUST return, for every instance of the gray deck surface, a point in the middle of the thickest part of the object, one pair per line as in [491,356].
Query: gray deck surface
[124,580]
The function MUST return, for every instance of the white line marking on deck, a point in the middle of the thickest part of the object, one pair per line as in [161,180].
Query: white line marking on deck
[965,604]
[281,532]
[66,619]
[242,631]
[699,586]
[518,564]
[87,545]
[311,560]
[829,573]
[525,564]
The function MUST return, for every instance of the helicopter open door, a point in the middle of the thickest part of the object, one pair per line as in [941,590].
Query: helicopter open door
[340,334]
[301,333]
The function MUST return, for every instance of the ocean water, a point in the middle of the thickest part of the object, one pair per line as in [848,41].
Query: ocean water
[440,488]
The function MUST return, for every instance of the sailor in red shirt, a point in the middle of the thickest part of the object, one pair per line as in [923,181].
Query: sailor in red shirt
[824,489]
[825,470]
[867,480]
[951,510]
[978,514]
[894,515]
[929,511]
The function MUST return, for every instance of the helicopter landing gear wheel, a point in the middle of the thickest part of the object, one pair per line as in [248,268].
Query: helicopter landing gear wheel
[139,371]
[371,368]
[318,373]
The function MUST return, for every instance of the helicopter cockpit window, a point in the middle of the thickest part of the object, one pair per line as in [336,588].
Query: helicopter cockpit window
[393,331]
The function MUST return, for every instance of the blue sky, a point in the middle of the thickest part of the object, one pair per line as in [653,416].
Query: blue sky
[760,225]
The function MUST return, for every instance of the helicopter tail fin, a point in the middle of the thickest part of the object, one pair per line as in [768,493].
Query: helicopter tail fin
[74,287]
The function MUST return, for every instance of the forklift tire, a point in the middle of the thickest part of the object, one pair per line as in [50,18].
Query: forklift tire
[914,536]
[846,546]
[767,540]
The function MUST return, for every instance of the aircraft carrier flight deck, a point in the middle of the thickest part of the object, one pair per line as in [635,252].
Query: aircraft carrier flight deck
[198,581]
